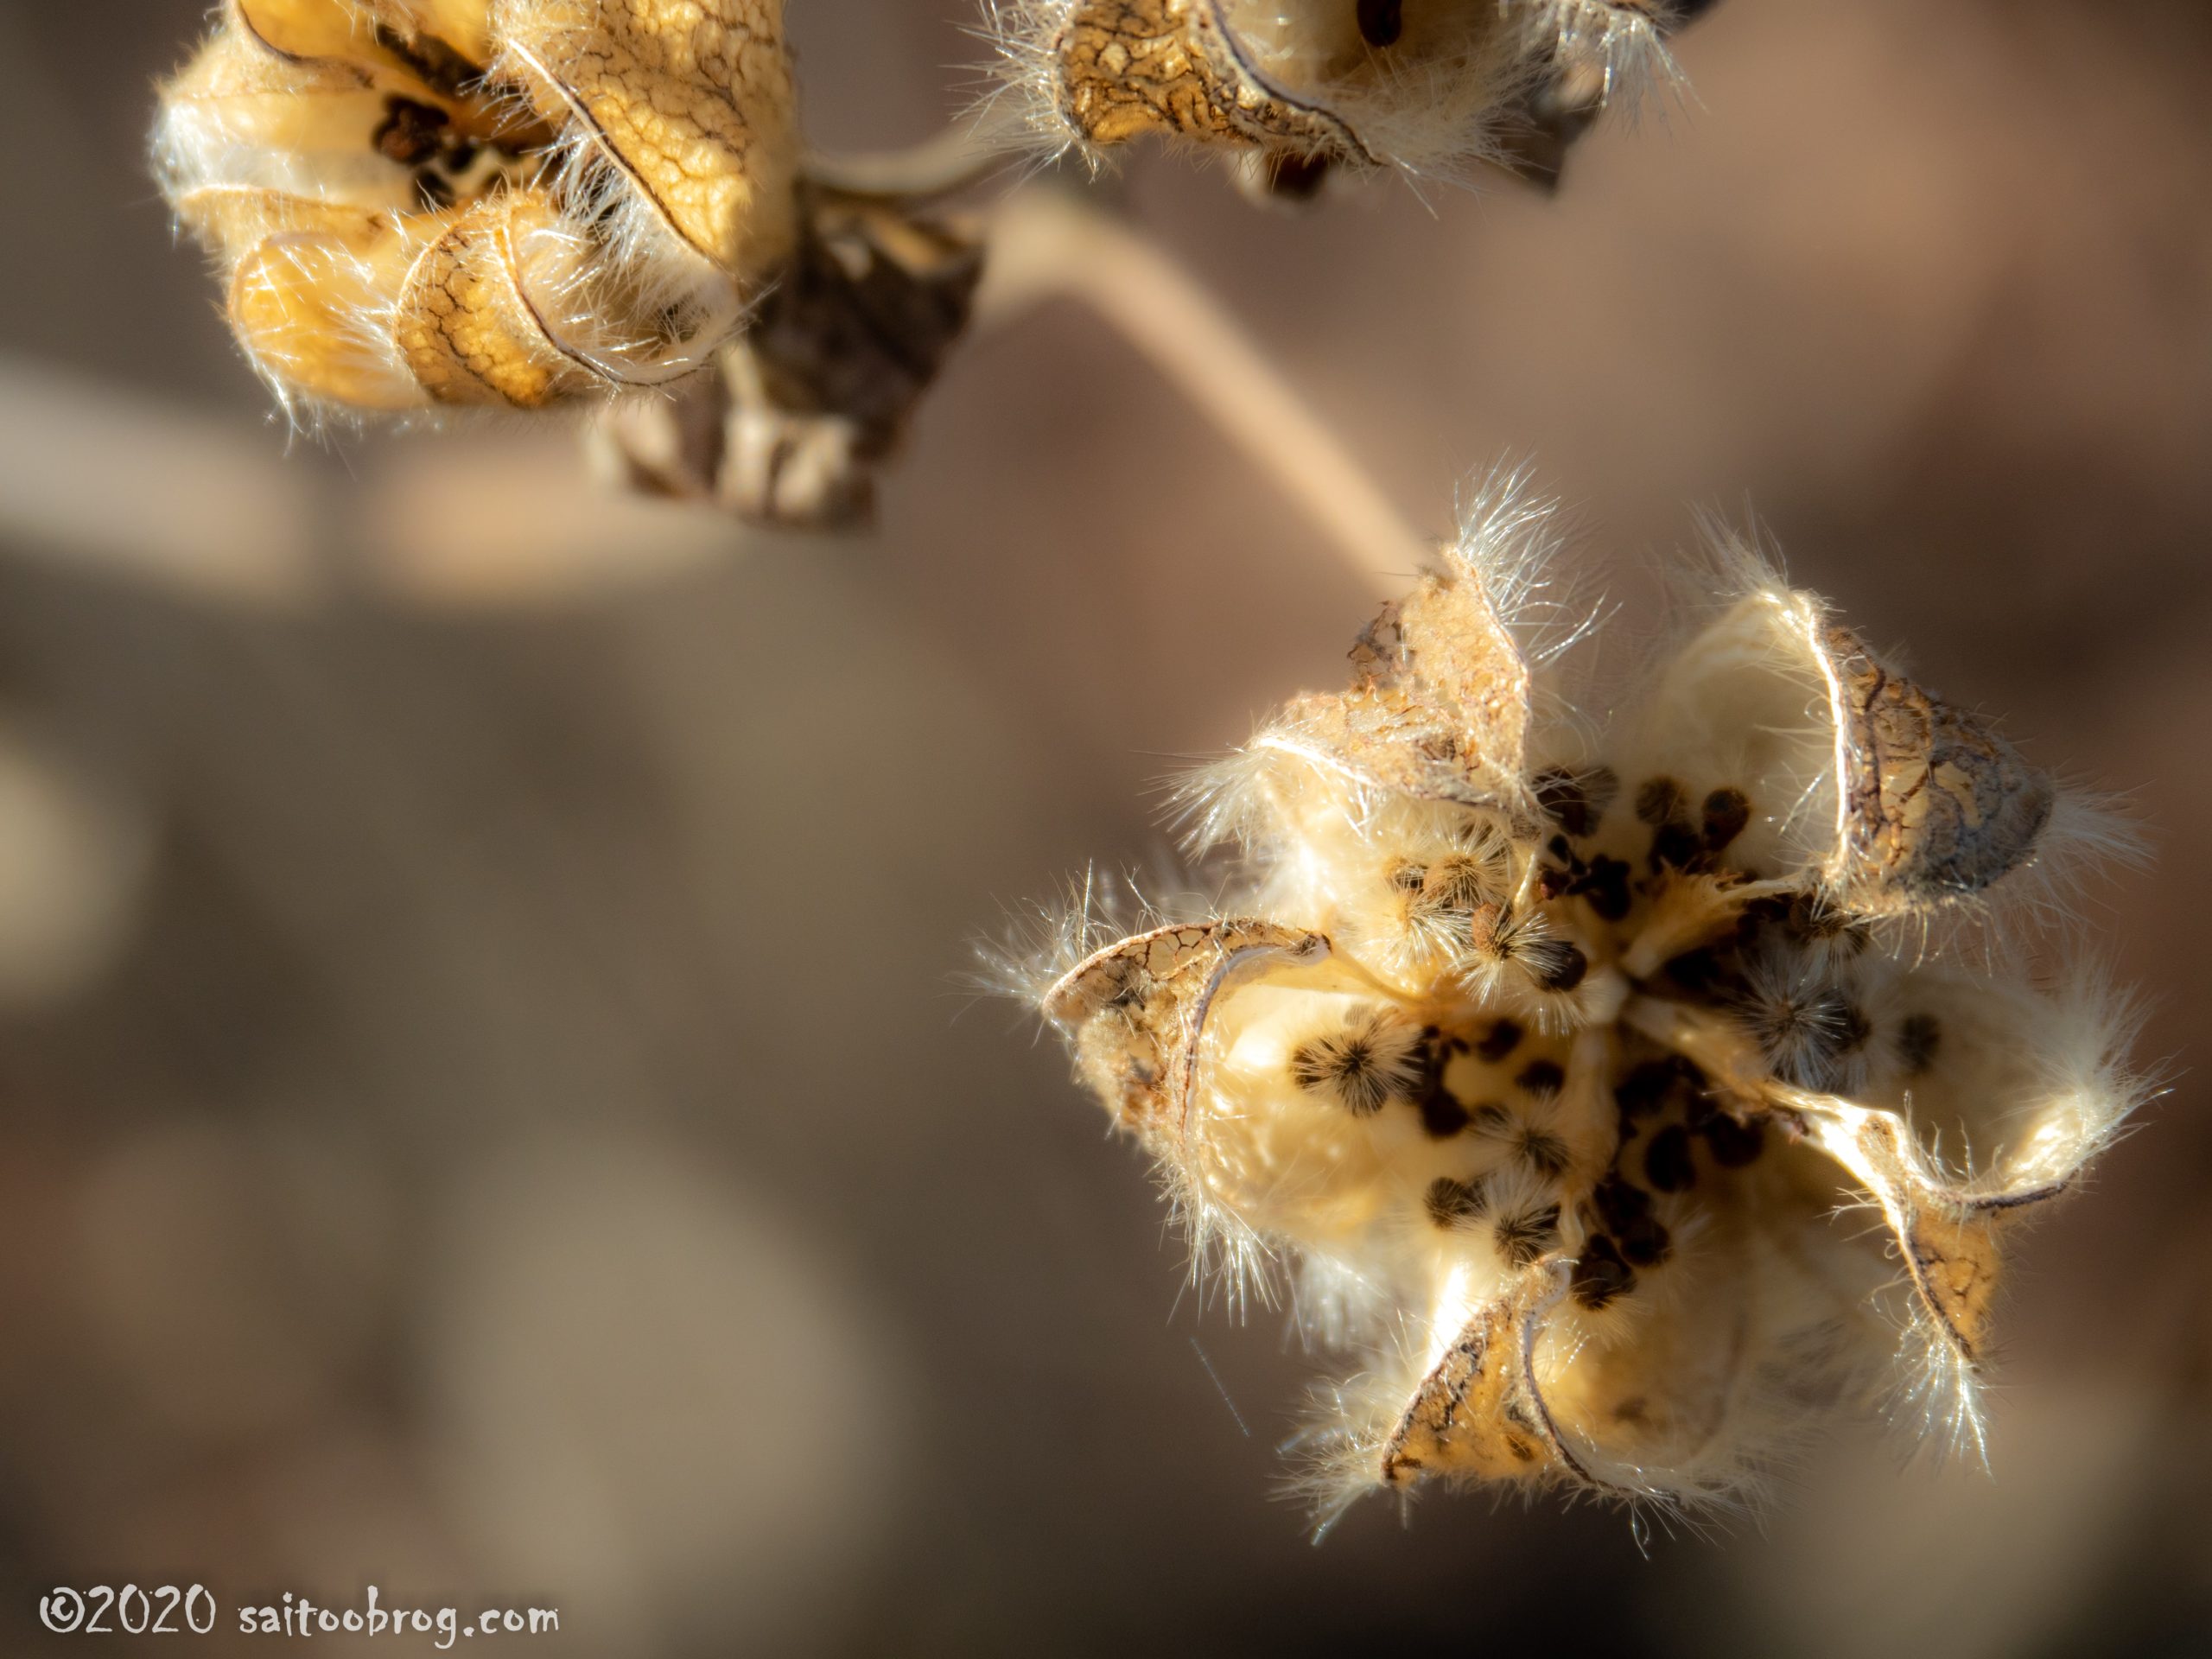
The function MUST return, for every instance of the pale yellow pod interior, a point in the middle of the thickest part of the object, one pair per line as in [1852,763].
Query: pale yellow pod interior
[306,28]
[1745,705]
[464,25]
[303,305]
[239,218]
[317,148]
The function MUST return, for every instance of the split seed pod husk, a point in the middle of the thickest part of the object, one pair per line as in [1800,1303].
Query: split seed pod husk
[1546,1045]
[1296,89]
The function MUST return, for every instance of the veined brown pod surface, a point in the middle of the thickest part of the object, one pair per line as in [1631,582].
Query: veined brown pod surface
[1300,87]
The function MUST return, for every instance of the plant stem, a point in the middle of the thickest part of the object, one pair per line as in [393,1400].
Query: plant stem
[1045,245]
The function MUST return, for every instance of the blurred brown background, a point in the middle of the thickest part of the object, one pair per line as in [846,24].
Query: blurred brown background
[487,1105]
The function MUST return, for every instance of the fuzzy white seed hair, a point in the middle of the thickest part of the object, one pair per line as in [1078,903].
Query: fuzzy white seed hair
[1610,1076]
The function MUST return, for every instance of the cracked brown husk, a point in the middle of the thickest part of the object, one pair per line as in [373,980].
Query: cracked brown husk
[1293,91]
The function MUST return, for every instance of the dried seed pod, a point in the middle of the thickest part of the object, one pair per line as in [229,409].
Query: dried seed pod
[425,203]
[1550,1072]
[805,405]
[466,324]
[1935,804]
[1907,804]
[1131,66]
[1480,1414]
[1438,707]
[1141,1004]
[1309,84]
[689,105]
[1438,714]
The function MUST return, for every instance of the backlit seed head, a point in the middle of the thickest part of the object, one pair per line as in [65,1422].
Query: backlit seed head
[417,204]
[426,205]
[1297,87]
[1547,1046]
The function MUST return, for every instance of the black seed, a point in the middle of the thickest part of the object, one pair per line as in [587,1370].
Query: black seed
[1441,1115]
[1804,1030]
[1646,1089]
[1815,922]
[1346,1067]
[1734,1144]
[1605,886]
[1312,1067]
[1645,1241]
[1727,811]
[1576,802]
[1618,1204]
[1919,1040]
[1561,795]
[1451,1203]
[1541,1077]
[1693,970]
[1407,878]
[1664,1083]
[1524,1237]
[1504,1038]
[1666,1162]
[1676,846]
[410,132]
[1659,800]
[1556,964]
[1544,1153]
[1381,21]
[1601,1275]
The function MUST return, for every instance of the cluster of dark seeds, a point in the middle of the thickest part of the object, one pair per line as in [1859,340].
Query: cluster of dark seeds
[1783,975]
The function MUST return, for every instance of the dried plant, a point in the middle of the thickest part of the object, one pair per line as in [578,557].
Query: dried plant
[1543,1042]
[516,204]
[1548,1047]
[1294,90]
[431,201]
[416,205]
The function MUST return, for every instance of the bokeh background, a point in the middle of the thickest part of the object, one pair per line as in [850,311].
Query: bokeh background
[488,1106]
